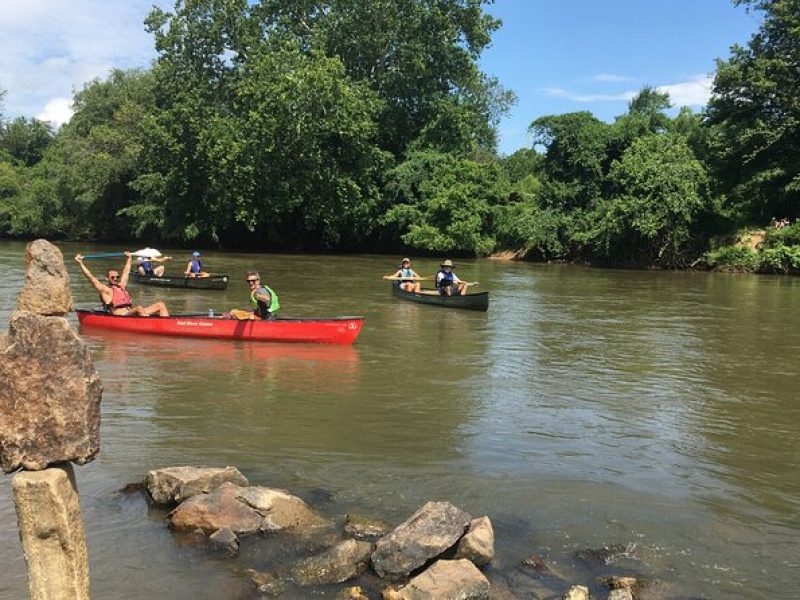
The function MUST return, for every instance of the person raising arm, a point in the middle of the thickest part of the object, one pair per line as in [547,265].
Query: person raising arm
[114,294]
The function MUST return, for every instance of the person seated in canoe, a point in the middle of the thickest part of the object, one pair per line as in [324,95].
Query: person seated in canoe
[194,268]
[114,295]
[407,279]
[448,282]
[145,266]
[263,299]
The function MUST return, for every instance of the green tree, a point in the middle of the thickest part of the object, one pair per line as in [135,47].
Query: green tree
[756,106]
[25,140]
[445,204]
[659,190]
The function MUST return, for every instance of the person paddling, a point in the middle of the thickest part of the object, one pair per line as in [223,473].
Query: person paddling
[448,282]
[195,267]
[408,279]
[145,266]
[114,295]
[262,297]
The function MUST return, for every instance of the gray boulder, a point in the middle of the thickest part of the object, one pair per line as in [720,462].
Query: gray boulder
[46,291]
[427,533]
[176,484]
[346,560]
[49,397]
[620,594]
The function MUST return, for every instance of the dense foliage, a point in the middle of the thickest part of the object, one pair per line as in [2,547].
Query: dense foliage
[367,124]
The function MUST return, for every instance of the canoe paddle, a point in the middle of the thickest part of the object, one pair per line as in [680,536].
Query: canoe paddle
[146,252]
[393,278]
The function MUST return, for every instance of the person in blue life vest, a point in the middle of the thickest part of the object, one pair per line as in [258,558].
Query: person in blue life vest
[146,268]
[263,299]
[448,282]
[407,278]
[194,267]
[114,294]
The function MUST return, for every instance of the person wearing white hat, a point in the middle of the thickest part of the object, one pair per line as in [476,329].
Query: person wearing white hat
[145,265]
[407,279]
[448,282]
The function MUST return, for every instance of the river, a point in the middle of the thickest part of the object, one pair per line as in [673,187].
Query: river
[654,409]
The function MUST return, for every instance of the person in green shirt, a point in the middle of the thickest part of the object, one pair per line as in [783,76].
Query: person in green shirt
[262,297]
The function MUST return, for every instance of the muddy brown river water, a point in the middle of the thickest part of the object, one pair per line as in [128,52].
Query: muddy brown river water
[656,410]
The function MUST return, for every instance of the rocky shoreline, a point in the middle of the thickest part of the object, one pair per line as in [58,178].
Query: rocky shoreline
[440,551]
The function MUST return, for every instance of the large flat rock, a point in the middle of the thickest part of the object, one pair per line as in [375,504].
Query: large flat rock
[49,397]
[445,580]
[245,510]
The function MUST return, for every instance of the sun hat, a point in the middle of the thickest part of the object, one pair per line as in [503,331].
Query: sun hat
[408,260]
[447,263]
[195,253]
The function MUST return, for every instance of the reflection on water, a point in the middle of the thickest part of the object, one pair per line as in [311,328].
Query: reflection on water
[657,410]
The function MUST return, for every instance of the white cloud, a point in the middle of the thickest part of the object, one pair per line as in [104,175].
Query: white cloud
[611,78]
[693,92]
[58,111]
[50,48]
[588,98]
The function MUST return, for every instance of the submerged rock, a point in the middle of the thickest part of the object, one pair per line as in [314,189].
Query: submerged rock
[346,560]
[620,594]
[444,580]
[225,540]
[477,544]
[597,557]
[281,510]
[431,530]
[49,397]
[352,593]
[267,583]
[365,528]
[176,484]
[577,592]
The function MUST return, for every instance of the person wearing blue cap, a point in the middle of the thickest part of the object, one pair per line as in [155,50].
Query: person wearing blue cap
[195,267]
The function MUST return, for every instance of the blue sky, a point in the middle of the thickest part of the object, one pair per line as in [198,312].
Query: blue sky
[569,55]
[557,56]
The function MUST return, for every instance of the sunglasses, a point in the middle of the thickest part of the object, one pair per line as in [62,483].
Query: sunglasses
[251,280]
[113,277]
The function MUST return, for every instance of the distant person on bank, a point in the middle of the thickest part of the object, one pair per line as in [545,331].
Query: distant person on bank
[447,282]
[147,269]
[195,268]
[114,295]
[263,299]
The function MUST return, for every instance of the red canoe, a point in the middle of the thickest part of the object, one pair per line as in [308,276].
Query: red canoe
[336,330]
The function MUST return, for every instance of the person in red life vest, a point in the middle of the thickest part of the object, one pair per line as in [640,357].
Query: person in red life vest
[115,296]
